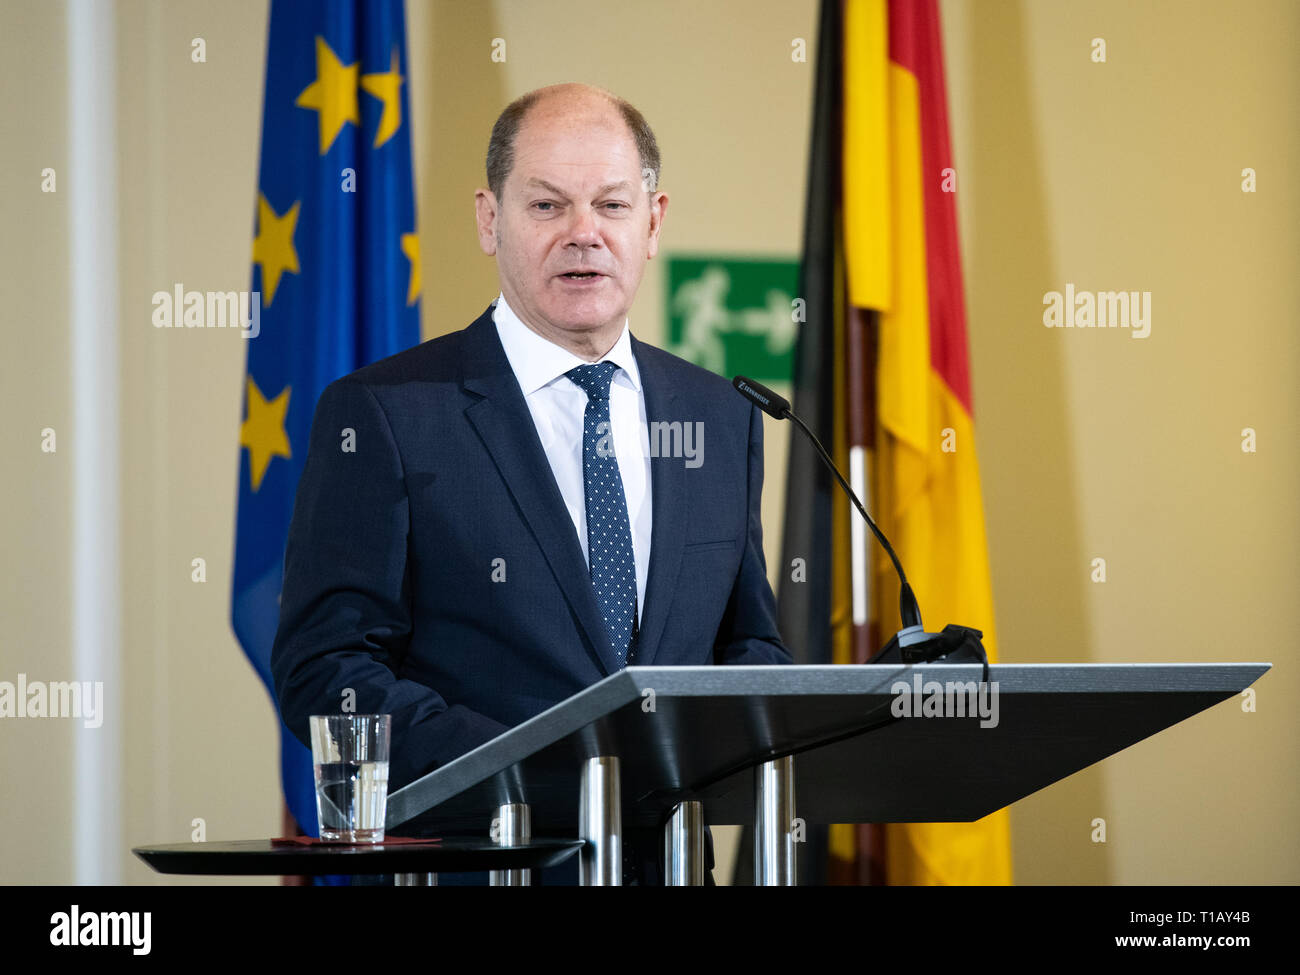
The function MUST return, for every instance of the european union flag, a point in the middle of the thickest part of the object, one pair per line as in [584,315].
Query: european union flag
[336,260]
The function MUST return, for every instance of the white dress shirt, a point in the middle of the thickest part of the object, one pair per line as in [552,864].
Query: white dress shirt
[558,406]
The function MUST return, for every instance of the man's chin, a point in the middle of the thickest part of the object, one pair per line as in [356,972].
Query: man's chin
[577,318]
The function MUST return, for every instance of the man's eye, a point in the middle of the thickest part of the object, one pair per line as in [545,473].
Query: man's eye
[621,206]
[544,204]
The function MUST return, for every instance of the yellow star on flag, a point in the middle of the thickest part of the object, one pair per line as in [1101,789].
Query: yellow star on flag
[273,246]
[263,432]
[387,88]
[333,94]
[411,248]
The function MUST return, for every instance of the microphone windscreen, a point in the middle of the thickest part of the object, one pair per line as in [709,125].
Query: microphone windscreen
[762,397]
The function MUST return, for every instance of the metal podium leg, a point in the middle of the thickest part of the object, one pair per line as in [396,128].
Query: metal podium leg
[415,880]
[684,845]
[600,823]
[774,862]
[516,828]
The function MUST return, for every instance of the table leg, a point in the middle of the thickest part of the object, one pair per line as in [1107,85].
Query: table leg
[415,880]
[774,852]
[684,845]
[514,827]
[600,823]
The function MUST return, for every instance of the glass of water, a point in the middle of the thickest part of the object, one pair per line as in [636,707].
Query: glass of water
[350,756]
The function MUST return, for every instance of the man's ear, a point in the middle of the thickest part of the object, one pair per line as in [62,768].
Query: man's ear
[658,207]
[486,214]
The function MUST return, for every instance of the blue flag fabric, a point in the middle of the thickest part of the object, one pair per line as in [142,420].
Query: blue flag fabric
[336,263]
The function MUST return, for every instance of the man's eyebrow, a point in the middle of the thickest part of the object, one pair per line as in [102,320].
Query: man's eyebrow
[607,188]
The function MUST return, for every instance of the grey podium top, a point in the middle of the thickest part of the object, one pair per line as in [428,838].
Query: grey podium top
[870,746]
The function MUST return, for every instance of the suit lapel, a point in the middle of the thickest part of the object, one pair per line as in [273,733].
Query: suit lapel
[506,427]
[668,499]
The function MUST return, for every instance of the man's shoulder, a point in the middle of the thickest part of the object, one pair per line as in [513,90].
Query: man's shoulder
[435,360]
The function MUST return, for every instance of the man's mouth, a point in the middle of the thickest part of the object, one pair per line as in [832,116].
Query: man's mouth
[580,275]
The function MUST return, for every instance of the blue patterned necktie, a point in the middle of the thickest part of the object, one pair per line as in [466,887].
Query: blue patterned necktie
[609,534]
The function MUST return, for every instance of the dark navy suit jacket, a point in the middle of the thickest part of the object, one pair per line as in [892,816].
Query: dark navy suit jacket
[389,569]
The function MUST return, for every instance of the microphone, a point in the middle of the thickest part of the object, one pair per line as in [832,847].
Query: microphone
[774,406]
[911,644]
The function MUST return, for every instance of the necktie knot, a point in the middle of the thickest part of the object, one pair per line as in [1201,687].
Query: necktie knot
[594,378]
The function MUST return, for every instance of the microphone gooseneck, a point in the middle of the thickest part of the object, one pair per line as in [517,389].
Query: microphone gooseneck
[779,408]
[911,644]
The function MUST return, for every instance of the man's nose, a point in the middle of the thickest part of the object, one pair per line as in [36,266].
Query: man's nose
[583,229]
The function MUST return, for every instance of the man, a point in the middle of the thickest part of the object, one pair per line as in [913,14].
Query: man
[482,528]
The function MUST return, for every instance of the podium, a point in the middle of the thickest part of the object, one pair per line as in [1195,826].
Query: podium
[675,747]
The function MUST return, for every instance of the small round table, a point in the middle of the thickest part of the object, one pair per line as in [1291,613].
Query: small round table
[412,863]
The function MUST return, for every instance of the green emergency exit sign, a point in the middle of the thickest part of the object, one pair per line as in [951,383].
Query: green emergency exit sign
[734,315]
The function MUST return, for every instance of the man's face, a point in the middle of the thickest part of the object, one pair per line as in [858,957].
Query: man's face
[574,201]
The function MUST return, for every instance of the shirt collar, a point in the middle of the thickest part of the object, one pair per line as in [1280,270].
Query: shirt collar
[538,362]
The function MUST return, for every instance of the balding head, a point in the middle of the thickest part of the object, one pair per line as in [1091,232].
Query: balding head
[568,104]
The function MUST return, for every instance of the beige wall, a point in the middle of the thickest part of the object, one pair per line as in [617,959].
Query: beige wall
[1122,175]
[1127,175]
[36,498]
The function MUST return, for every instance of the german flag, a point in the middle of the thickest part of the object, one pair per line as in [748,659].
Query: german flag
[882,372]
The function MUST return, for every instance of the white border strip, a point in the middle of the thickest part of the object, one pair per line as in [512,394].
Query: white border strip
[96,597]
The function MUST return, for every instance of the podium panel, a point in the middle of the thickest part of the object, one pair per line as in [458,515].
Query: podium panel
[697,734]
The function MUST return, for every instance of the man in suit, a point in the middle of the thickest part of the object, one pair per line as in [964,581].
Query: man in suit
[490,522]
